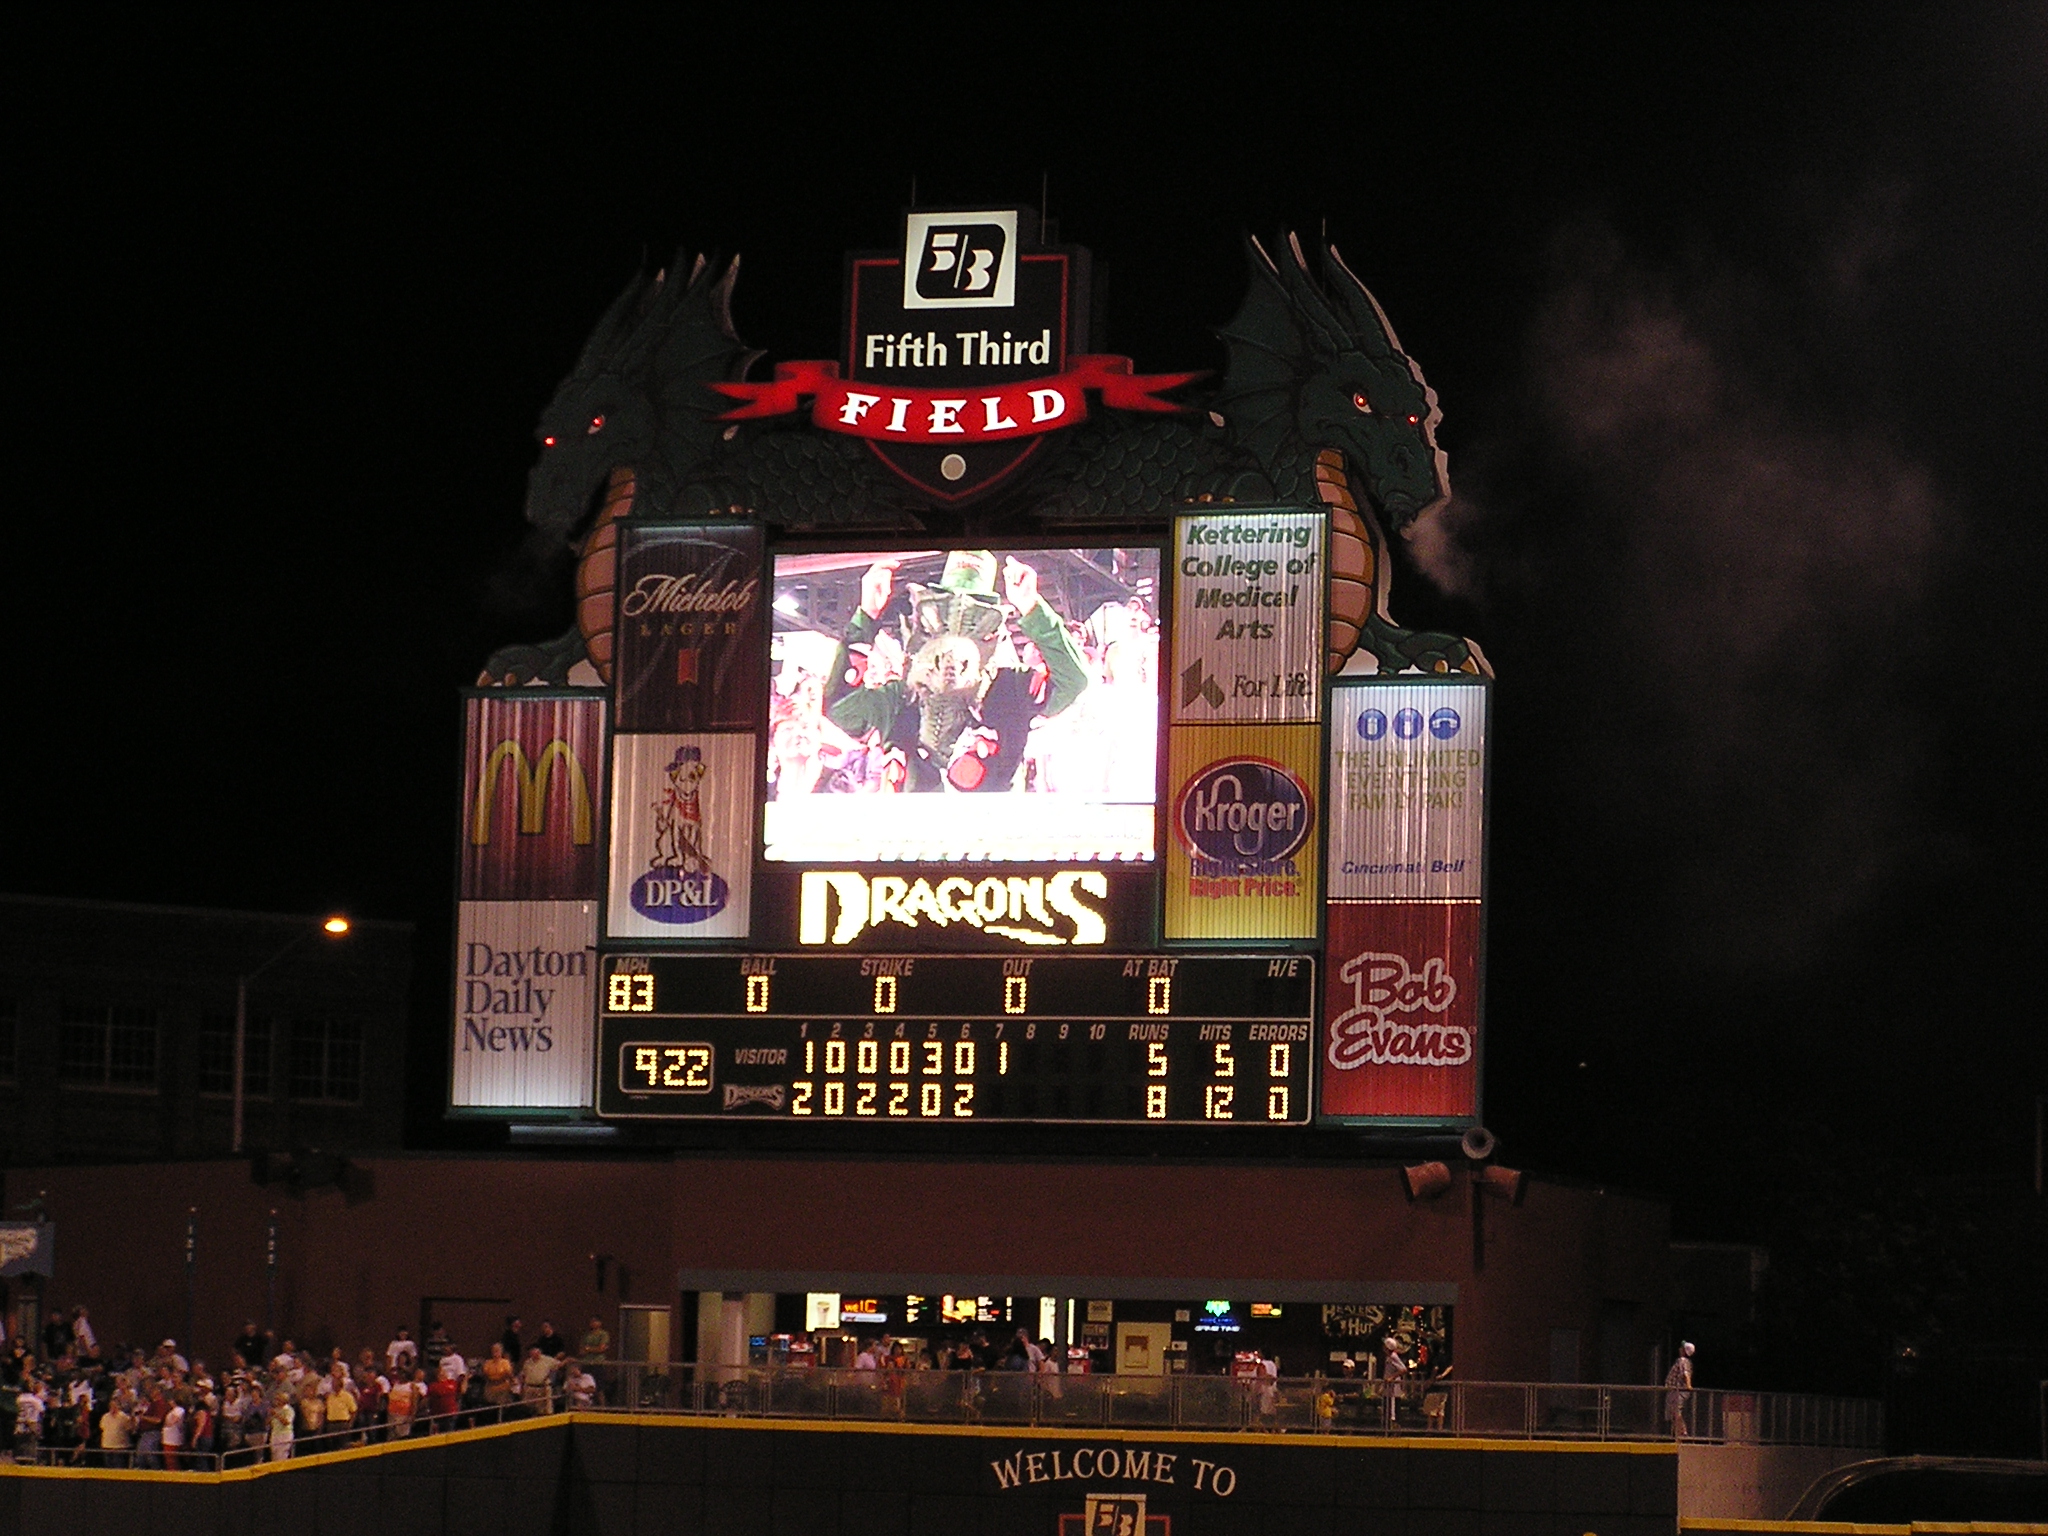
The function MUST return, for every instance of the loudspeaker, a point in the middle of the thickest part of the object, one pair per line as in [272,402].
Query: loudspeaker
[1504,1183]
[1425,1181]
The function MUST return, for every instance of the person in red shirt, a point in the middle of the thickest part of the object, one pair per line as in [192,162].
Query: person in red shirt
[444,1396]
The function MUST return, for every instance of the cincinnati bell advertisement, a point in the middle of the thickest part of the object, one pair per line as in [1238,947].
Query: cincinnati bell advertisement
[530,875]
[689,627]
[1407,790]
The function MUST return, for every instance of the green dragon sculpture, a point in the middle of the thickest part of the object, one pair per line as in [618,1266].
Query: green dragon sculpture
[1318,403]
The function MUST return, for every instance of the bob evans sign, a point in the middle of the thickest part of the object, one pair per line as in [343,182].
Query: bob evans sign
[1178,1469]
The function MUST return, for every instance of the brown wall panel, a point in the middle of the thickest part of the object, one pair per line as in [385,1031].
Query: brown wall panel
[351,1269]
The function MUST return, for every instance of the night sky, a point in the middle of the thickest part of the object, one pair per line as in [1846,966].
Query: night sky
[1737,323]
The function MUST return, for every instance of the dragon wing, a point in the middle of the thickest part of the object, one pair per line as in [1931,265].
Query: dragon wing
[684,344]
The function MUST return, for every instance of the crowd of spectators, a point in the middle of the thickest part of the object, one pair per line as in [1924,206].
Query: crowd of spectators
[65,1398]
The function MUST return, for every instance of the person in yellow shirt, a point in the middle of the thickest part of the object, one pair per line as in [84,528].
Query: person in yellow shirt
[312,1412]
[497,1374]
[341,1409]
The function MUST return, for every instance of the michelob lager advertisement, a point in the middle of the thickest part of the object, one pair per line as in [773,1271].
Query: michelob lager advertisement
[1247,616]
[1241,835]
[524,1004]
[532,782]
[1401,1011]
[690,627]
[1407,790]
[682,841]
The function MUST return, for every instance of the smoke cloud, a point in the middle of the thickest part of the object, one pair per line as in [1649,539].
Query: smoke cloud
[1731,560]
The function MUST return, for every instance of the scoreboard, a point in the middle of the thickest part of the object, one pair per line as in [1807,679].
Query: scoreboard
[1209,1039]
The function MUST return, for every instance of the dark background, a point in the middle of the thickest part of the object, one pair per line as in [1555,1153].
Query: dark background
[1737,319]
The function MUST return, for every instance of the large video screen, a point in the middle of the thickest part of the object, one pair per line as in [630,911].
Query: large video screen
[933,705]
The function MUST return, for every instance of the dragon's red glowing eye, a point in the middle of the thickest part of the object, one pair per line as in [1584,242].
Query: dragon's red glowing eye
[1360,403]
[547,442]
[596,426]
[1414,421]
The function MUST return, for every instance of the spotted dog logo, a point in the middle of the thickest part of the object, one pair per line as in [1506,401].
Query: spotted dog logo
[680,885]
[960,261]
[1244,816]
[1386,1022]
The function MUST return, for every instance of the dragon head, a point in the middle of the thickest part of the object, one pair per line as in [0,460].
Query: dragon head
[1315,365]
[636,397]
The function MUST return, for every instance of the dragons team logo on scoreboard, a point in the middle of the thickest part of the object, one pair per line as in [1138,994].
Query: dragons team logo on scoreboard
[948,907]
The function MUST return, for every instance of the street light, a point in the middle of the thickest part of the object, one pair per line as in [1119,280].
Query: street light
[334,927]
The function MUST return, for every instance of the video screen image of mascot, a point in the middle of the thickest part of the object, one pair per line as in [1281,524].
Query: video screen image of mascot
[960,713]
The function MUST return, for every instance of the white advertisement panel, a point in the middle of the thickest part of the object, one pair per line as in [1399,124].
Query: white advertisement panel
[1247,617]
[525,1004]
[682,836]
[1406,791]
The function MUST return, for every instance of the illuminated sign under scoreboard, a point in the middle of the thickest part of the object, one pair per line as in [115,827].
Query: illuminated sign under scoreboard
[1137,1039]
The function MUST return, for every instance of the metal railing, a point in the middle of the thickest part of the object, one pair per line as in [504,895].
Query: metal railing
[252,1450]
[1497,1410]
[1493,1410]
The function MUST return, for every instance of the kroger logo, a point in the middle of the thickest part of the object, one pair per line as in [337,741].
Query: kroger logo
[1244,808]
[1407,724]
[670,896]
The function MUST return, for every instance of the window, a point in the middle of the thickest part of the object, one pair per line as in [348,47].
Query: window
[327,1060]
[9,1010]
[217,1055]
[103,1047]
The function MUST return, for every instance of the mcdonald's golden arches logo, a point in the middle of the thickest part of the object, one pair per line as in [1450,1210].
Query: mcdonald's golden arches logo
[535,780]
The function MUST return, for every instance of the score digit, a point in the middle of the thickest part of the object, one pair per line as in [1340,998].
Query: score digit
[885,994]
[1015,990]
[757,994]
[659,1067]
[1159,994]
[629,992]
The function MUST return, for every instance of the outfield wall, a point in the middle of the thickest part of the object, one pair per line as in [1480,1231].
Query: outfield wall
[624,1475]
